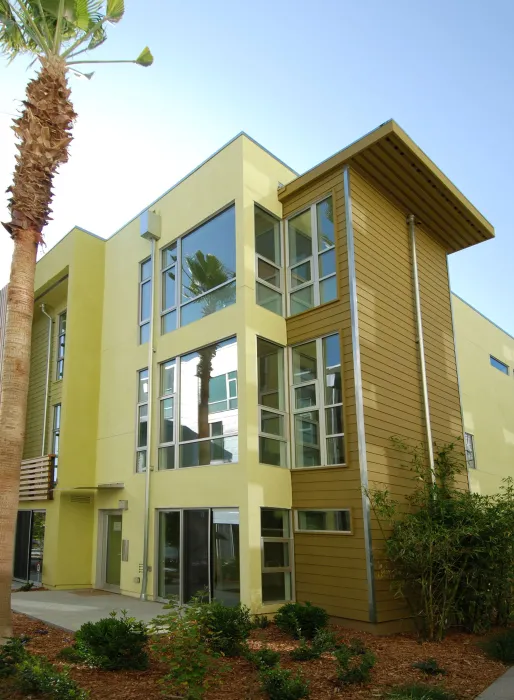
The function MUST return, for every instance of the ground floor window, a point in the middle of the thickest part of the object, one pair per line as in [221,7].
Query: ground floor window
[28,545]
[276,552]
[199,552]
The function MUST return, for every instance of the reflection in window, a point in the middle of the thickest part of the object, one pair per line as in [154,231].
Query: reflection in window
[61,344]
[56,436]
[268,250]
[272,416]
[323,521]
[145,299]
[208,405]
[167,416]
[142,420]
[317,402]
[469,448]
[312,260]
[498,364]
[276,555]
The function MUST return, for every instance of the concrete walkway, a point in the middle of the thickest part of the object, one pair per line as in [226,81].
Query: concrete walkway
[502,689]
[70,609]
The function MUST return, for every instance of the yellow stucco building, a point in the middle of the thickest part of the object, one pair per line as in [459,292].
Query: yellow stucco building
[220,379]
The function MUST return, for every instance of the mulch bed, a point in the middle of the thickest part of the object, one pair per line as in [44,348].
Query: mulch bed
[468,671]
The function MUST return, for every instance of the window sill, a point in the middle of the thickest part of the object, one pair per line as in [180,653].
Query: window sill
[322,532]
[325,466]
[199,466]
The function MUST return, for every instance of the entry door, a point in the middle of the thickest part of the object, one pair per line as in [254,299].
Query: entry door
[113,550]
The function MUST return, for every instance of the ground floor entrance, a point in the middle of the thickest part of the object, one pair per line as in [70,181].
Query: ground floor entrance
[110,532]
[198,552]
[28,545]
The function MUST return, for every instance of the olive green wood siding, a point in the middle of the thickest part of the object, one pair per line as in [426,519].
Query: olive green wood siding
[330,569]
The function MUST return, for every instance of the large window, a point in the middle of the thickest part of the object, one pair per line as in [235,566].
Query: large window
[61,345]
[326,520]
[145,300]
[268,262]
[167,416]
[56,435]
[311,257]
[142,420]
[198,272]
[276,552]
[199,551]
[469,449]
[272,415]
[317,400]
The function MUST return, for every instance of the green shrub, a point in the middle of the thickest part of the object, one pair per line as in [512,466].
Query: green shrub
[353,667]
[357,646]
[263,658]
[279,684]
[113,643]
[225,629]
[304,652]
[301,620]
[430,667]
[260,622]
[35,675]
[71,654]
[419,692]
[28,586]
[501,646]
[324,640]
[12,653]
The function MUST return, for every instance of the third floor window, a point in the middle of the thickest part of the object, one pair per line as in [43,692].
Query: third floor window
[61,345]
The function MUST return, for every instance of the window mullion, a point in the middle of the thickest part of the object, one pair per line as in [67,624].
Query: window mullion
[320,362]
[178,283]
[177,407]
[315,255]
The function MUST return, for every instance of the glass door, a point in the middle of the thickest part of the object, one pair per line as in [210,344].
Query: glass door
[22,545]
[113,550]
[169,554]
[36,545]
[196,553]
[225,555]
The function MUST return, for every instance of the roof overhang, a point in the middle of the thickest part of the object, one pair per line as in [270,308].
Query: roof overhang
[396,166]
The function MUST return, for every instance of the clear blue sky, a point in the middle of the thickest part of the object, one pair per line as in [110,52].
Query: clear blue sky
[304,79]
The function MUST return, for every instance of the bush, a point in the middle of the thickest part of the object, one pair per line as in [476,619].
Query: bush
[263,658]
[419,692]
[279,684]
[301,620]
[113,643]
[353,666]
[36,675]
[501,646]
[12,653]
[450,554]
[304,652]
[260,622]
[357,646]
[225,629]
[430,667]
[71,654]
[27,586]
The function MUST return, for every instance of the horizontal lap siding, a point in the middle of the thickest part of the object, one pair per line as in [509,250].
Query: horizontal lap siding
[330,570]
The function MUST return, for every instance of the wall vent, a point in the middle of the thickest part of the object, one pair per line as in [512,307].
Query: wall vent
[80,499]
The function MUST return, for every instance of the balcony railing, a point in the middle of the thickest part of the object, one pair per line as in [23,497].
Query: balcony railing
[36,479]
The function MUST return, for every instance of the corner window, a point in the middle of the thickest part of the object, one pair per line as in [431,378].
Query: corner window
[61,345]
[498,364]
[56,434]
[145,300]
[268,261]
[317,401]
[208,405]
[311,257]
[272,415]
[169,289]
[276,555]
[142,421]
[469,449]
[326,520]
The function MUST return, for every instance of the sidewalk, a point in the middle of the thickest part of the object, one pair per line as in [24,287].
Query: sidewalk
[70,609]
[502,689]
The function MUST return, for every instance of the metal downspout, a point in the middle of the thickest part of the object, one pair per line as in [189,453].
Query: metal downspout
[146,527]
[421,345]
[47,385]
[359,399]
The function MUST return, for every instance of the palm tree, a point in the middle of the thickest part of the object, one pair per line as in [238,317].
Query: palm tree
[55,34]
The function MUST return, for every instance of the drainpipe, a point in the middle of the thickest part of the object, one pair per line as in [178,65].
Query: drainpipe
[149,229]
[421,345]
[47,385]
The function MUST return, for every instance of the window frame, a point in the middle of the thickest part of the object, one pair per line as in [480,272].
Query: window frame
[299,530]
[282,271]
[179,304]
[501,366]
[279,412]
[56,433]
[139,404]
[278,569]
[61,343]
[162,397]
[321,406]
[313,259]
[144,322]
[467,450]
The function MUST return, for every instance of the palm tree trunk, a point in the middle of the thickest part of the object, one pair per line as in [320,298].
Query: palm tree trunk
[44,133]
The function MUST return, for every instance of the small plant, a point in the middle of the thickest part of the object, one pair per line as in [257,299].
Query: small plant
[113,643]
[301,620]
[27,586]
[263,658]
[324,640]
[36,675]
[305,652]
[430,667]
[279,684]
[357,646]
[353,667]
[12,653]
[225,629]
[501,646]
[260,622]
[420,692]
[71,654]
